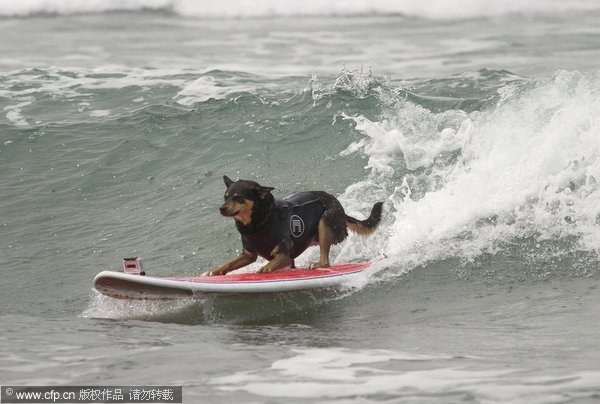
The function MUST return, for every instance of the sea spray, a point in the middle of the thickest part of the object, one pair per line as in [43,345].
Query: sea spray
[526,167]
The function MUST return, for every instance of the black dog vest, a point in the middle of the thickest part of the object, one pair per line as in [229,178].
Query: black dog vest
[295,217]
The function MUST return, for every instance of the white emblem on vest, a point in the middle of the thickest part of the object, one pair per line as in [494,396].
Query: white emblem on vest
[296,226]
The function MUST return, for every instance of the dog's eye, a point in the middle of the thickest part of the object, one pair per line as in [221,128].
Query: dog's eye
[239,199]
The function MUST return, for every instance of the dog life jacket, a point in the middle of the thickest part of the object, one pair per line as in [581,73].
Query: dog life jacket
[295,217]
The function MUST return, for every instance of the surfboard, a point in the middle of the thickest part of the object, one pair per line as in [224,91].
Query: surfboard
[134,286]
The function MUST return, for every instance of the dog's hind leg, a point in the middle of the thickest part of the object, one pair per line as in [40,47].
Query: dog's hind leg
[326,239]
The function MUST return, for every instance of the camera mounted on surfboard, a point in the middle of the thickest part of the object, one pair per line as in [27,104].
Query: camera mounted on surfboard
[133,266]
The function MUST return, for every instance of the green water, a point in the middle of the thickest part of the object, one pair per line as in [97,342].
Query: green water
[480,135]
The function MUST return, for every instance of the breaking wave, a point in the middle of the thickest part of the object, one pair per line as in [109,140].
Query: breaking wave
[436,9]
[460,183]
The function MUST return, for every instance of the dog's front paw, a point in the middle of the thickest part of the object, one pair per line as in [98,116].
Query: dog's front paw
[319,264]
[214,272]
[265,270]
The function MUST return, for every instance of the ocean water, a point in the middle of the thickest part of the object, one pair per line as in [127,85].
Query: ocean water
[477,123]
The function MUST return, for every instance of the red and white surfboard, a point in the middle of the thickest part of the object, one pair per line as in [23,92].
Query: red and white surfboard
[135,286]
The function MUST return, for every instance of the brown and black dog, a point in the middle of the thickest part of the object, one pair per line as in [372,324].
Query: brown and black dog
[279,230]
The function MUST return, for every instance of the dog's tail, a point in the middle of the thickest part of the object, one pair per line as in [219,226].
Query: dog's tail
[369,225]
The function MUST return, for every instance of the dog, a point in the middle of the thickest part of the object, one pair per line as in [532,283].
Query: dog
[279,230]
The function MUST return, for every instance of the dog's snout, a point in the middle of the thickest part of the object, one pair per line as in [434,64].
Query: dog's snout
[223,209]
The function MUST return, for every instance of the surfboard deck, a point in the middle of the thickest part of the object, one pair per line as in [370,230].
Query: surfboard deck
[138,287]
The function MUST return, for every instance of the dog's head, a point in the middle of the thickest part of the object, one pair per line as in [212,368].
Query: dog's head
[242,197]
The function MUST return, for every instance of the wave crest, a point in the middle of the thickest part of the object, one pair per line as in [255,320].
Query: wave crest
[435,10]
[460,184]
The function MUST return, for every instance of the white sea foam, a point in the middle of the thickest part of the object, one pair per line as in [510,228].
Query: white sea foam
[32,7]
[62,82]
[188,88]
[434,9]
[14,113]
[100,113]
[101,306]
[528,167]
[345,374]
[207,87]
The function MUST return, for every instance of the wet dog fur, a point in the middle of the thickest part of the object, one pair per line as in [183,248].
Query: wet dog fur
[250,205]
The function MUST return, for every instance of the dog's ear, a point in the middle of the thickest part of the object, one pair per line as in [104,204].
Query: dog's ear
[263,191]
[227,181]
